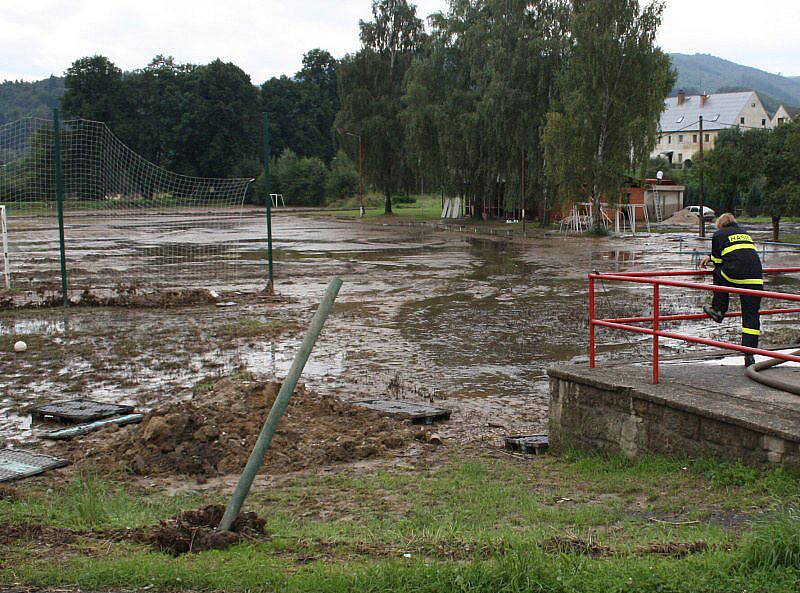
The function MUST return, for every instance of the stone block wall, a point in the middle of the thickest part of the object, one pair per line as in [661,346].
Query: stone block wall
[595,417]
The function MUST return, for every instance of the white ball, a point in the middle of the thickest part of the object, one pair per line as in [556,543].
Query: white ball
[20,346]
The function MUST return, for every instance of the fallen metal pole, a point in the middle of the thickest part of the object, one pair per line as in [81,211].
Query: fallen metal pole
[279,407]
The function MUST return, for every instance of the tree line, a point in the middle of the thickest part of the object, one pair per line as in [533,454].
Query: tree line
[513,105]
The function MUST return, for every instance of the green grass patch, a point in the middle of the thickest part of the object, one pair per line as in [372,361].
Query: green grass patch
[89,501]
[474,524]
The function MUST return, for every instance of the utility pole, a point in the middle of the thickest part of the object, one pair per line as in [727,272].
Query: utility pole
[702,186]
[421,181]
[343,132]
[522,183]
[361,177]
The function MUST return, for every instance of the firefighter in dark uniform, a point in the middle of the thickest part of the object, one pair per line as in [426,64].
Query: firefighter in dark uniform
[736,263]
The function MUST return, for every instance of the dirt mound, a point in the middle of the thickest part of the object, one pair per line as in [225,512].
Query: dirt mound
[682,218]
[160,299]
[9,493]
[214,434]
[196,531]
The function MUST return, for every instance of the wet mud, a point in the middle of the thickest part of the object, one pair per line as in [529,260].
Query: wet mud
[468,322]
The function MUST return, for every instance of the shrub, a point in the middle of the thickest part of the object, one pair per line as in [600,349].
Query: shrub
[403,200]
[303,182]
[281,170]
[343,180]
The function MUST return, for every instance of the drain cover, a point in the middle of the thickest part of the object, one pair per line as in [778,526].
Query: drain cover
[82,429]
[80,410]
[417,413]
[16,464]
[535,444]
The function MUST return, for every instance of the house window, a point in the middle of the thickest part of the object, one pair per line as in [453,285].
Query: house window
[694,138]
[680,158]
[763,123]
[780,120]
[669,139]
[708,137]
[680,137]
[741,120]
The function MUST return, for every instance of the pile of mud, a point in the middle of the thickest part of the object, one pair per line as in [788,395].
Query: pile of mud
[160,299]
[682,218]
[213,434]
[196,531]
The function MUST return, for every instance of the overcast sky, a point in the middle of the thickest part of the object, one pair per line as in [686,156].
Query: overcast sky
[268,37]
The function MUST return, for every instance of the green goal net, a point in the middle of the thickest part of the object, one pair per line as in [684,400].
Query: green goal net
[128,223]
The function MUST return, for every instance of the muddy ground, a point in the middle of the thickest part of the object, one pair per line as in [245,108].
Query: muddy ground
[466,321]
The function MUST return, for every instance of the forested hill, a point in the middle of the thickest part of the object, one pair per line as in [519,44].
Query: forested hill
[23,99]
[702,72]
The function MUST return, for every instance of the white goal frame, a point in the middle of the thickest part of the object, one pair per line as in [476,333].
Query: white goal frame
[4,227]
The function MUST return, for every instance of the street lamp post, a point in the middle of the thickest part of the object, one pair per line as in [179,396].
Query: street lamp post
[362,211]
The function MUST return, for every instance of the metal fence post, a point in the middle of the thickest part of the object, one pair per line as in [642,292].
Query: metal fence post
[279,407]
[591,322]
[59,174]
[656,314]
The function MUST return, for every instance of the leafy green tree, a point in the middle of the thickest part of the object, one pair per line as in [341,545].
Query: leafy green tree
[157,95]
[440,118]
[654,165]
[303,181]
[782,174]
[302,108]
[733,166]
[779,202]
[94,90]
[755,198]
[611,92]
[281,170]
[219,132]
[343,180]
[477,99]
[371,88]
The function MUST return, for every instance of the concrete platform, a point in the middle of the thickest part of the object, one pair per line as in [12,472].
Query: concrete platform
[704,406]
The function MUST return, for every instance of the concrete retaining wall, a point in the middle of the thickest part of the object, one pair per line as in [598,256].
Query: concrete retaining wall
[590,415]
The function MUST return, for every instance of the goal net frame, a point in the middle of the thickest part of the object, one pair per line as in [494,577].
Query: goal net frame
[127,223]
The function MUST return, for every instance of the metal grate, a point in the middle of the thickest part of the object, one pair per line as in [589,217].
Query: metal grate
[16,464]
[536,444]
[80,410]
[417,413]
[82,429]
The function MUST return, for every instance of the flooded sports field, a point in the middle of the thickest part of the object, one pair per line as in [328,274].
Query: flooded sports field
[466,321]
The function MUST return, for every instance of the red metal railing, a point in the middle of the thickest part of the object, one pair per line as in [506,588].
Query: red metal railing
[657,280]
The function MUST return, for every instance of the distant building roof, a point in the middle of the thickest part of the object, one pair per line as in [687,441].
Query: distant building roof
[719,112]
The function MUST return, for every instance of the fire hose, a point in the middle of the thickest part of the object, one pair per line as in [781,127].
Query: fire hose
[754,372]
